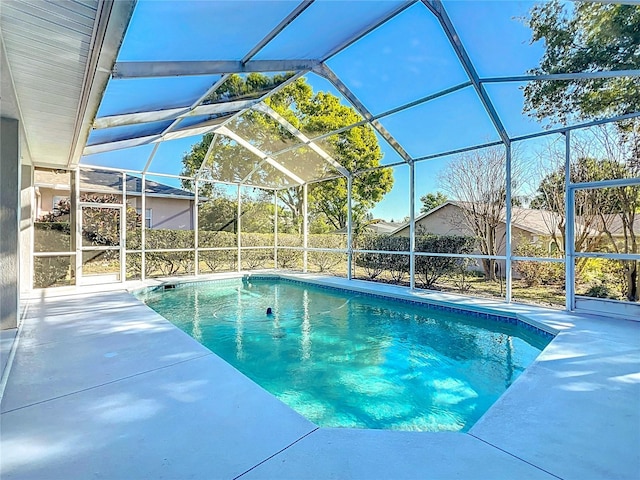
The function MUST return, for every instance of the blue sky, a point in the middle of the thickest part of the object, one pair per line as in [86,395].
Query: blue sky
[401,61]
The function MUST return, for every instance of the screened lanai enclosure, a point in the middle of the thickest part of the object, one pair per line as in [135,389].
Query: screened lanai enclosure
[432,144]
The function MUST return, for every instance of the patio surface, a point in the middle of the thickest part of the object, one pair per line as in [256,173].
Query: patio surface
[100,386]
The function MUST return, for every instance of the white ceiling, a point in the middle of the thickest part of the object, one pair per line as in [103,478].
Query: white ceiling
[56,59]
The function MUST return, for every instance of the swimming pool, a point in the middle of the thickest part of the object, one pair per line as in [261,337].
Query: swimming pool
[345,359]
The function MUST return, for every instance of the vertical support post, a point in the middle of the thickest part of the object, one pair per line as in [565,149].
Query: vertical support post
[238,228]
[143,238]
[10,224]
[508,230]
[412,226]
[123,231]
[349,228]
[74,219]
[77,225]
[569,237]
[27,207]
[305,228]
[196,238]
[275,229]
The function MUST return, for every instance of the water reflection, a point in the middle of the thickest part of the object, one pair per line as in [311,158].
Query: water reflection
[345,359]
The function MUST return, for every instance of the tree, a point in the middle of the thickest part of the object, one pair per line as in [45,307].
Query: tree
[218,214]
[432,200]
[550,197]
[585,37]
[599,212]
[314,114]
[477,182]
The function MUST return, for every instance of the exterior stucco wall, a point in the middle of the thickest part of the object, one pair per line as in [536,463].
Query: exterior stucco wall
[170,213]
[449,220]
[44,199]
[10,187]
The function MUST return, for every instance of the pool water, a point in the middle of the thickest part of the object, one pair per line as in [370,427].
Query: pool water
[343,359]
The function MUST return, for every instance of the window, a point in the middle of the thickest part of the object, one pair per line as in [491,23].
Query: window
[147,217]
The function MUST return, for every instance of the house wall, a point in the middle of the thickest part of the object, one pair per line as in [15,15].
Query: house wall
[9,223]
[446,221]
[449,220]
[170,213]
[44,199]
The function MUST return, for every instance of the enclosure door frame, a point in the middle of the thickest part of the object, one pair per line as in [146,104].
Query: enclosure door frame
[114,276]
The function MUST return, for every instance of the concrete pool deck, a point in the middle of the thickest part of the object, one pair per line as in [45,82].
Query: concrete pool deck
[100,386]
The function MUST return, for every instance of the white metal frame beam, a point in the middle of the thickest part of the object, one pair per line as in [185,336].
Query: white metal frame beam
[324,71]
[562,76]
[260,154]
[123,70]
[206,156]
[171,113]
[436,7]
[264,108]
[187,132]
[195,104]
[276,31]
[120,144]
[139,117]
[569,240]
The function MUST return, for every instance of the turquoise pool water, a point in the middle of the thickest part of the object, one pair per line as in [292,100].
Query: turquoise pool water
[343,359]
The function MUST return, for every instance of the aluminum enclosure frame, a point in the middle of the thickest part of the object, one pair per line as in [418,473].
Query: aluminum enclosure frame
[319,66]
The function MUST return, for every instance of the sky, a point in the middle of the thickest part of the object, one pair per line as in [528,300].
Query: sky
[401,61]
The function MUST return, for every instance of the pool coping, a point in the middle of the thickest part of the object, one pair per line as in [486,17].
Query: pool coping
[412,297]
[568,327]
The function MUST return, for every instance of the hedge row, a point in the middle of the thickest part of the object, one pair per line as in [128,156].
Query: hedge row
[428,269]
[55,236]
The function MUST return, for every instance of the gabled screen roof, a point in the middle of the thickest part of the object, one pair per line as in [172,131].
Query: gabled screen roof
[231,80]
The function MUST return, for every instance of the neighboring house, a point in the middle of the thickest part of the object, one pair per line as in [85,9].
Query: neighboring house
[528,225]
[615,225]
[380,227]
[166,207]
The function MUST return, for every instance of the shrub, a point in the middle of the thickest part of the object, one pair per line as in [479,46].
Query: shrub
[430,269]
[51,237]
[604,277]
[169,263]
[376,263]
[52,271]
[209,239]
[219,260]
[257,240]
[289,259]
[601,290]
[535,272]
[257,258]
[325,261]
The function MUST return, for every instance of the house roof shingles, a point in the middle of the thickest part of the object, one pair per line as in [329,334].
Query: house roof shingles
[105,181]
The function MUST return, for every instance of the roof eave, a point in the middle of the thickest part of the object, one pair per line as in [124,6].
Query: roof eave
[109,30]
